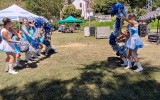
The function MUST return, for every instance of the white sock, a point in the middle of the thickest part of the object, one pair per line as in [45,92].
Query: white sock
[139,65]
[124,60]
[132,60]
[11,70]
[129,63]
[18,62]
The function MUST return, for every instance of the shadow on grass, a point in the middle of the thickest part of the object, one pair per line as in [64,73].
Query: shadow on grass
[98,81]
[33,64]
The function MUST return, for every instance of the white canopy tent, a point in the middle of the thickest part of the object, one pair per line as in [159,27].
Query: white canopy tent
[16,13]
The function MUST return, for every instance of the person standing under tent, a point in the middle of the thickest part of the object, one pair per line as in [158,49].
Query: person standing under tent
[8,45]
[133,43]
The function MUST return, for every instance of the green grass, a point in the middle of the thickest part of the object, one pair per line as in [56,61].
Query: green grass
[83,69]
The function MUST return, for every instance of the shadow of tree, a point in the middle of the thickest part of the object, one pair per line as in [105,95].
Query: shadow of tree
[98,81]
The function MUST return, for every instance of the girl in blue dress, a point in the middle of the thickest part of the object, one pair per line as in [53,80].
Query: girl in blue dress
[25,32]
[133,43]
[18,51]
[8,45]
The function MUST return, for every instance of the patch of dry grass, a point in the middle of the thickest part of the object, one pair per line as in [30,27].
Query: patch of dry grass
[83,68]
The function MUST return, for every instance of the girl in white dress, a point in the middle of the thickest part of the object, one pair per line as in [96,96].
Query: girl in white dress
[133,43]
[8,45]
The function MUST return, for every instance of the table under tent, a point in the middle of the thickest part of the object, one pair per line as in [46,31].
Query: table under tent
[151,17]
[70,20]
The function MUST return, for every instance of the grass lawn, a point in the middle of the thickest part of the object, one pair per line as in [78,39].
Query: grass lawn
[84,68]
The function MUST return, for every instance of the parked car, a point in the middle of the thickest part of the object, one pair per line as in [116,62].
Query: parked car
[61,28]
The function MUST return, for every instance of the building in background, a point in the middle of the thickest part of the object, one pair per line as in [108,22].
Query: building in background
[85,7]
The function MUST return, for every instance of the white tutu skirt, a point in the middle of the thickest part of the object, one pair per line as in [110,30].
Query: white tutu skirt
[7,47]
[134,42]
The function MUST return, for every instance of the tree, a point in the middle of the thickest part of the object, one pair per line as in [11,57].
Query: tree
[46,8]
[102,6]
[7,3]
[156,3]
[70,10]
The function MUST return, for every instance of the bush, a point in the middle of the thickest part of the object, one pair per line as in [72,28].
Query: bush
[154,24]
[95,23]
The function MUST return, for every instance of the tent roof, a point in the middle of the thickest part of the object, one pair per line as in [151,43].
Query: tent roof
[71,19]
[158,8]
[150,15]
[15,12]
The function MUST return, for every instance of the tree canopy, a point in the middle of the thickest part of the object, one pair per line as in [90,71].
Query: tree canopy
[102,6]
[70,10]
[46,8]
[50,8]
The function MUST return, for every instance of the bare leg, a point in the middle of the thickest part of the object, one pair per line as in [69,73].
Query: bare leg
[7,64]
[11,62]
[18,60]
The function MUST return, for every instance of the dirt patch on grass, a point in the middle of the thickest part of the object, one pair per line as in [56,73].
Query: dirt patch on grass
[70,45]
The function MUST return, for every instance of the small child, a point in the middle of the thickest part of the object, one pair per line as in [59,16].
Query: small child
[122,51]
[18,51]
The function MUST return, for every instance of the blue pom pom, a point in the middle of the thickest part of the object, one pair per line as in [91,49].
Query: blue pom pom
[47,43]
[39,22]
[47,27]
[24,45]
[35,44]
[112,39]
[117,9]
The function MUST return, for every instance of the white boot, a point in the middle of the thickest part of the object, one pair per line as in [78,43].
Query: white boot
[39,52]
[17,62]
[7,67]
[125,62]
[11,70]
[129,64]
[139,67]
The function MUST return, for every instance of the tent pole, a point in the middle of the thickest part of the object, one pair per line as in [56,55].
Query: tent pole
[158,26]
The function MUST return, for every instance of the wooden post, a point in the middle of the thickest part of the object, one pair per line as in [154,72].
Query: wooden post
[158,40]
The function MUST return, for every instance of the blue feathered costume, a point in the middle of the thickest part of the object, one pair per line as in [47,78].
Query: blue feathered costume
[40,36]
[118,10]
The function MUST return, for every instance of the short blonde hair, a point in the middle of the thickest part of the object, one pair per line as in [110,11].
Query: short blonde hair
[24,19]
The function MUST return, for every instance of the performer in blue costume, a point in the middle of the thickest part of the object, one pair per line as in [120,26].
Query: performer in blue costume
[25,30]
[8,45]
[27,36]
[118,9]
[134,42]
[39,34]
[18,50]
[32,31]
[122,51]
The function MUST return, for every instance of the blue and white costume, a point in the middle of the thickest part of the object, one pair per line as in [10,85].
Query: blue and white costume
[17,47]
[32,32]
[134,41]
[24,30]
[7,46]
